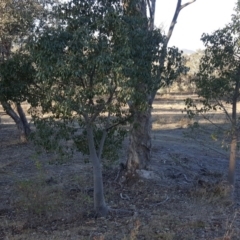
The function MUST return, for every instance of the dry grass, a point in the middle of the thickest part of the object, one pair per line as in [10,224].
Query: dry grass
[188,197]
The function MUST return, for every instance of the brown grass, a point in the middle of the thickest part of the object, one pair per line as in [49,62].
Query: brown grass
[187,198]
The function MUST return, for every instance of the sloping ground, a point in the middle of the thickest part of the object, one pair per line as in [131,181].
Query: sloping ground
[185,197]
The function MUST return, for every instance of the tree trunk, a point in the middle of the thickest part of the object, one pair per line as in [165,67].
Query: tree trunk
[234,135]
[139,149]
[139,152]
[20,120]
[23,118]
[99,201]
[232,160]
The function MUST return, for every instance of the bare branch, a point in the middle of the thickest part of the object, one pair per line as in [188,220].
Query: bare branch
[209,120]
[150,9]
[186,4]
[170,31]
[219,102]
[179,7]
[152,13]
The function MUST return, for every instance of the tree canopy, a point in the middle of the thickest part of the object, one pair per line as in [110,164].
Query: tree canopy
[218,80]
[87,67]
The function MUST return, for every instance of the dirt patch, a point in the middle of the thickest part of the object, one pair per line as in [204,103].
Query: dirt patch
[184,197]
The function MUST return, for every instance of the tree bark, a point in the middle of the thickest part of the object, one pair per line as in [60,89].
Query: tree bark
[234,135]
[20,120]
[100,206]
[232,160]
[23,118]
[139,150]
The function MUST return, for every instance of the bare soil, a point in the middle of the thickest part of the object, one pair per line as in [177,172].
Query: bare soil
[183,195]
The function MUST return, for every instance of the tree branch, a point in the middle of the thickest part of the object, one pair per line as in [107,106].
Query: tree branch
[105,131]
[224,109]
[186,4]
[102,106]
[165,44]
[179,7]
[120,122]
[150,9]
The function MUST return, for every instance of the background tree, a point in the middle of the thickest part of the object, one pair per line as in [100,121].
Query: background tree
[170,65]
[186,81]
[16,76]
[218,81]
[16,22]
[85,68]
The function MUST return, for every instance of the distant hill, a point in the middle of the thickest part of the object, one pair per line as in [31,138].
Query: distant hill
[187,51]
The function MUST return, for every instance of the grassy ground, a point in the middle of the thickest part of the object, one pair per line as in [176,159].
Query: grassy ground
[184,197]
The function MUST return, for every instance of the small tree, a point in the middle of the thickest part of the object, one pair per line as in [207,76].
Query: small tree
[218,81]
[83,65]
[16,76]
[16,21]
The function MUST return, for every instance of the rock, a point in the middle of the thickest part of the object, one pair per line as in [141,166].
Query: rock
[146,174]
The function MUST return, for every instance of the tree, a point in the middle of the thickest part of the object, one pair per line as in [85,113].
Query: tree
[185,81]
[16,21]
[85,72]
[169,67]
[16,74]
[218,81]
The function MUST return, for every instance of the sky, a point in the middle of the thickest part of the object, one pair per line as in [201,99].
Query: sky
[202,16]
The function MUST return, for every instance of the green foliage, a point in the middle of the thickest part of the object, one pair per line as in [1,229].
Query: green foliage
[112,143]
[87,68]
[219,66]
[16,77]
[218,83]
[50,135]
[218,75]
[17,17]
[174,66]
[17,20]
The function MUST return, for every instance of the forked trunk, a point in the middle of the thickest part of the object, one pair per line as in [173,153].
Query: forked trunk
[20,120]
[100,206]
